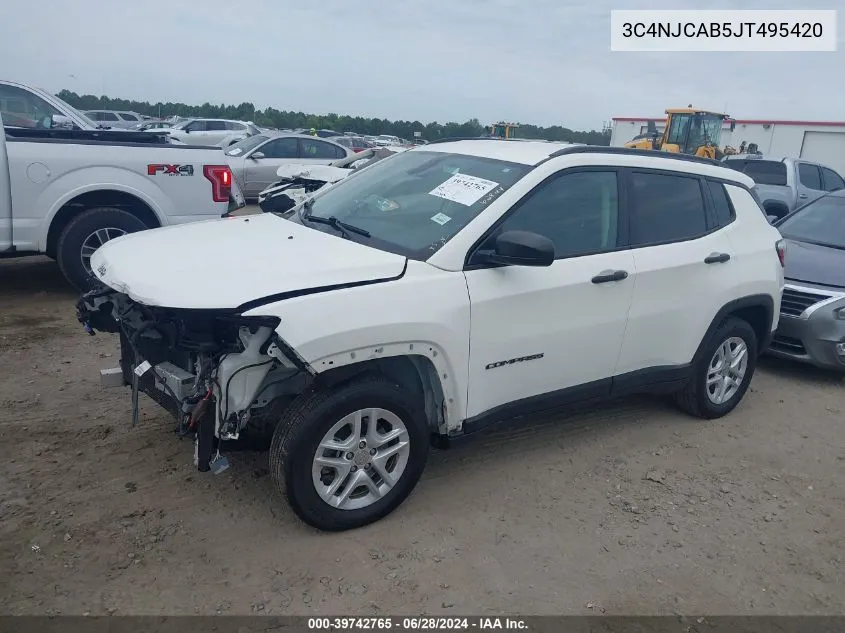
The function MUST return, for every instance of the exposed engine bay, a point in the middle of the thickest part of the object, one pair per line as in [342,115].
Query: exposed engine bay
[224,377]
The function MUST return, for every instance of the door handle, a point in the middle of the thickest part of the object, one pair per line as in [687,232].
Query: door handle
[716,258]
[802,196]
[610,275]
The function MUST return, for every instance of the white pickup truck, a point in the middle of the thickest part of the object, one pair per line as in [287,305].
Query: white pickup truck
[65,191]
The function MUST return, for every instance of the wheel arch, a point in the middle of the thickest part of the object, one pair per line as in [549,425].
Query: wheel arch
[756,310]
[75,199]
[419,367]
[131,202]
[777,207]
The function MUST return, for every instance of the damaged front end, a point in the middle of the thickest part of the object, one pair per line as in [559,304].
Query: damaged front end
[224,377]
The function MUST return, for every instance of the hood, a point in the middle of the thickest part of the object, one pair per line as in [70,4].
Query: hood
[229,262]
[815,264]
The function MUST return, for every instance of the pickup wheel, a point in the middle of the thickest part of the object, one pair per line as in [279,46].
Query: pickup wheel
[84,234]
[350,455]
[722,371]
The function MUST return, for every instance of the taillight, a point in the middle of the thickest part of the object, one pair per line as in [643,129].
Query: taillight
[780,247]
[221,181]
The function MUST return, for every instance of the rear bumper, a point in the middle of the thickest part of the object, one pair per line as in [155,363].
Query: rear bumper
[817,340]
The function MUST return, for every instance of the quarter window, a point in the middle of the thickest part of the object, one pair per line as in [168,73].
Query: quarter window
[721,203]
[665,208]
[578,211]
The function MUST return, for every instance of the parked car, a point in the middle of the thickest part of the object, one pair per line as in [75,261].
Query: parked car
[64,193]
[783,184]
[220,132]
[115,118]
[812,312]
[254,160]
[153,125]
[387,139]
[438,291]
[355,143]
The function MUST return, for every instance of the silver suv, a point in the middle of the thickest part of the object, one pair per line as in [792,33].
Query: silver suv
[115,118]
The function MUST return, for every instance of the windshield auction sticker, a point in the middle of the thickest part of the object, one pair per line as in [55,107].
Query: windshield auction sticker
[463,189]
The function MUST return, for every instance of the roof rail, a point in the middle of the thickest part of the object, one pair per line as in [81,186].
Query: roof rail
[630,151]
[452,139]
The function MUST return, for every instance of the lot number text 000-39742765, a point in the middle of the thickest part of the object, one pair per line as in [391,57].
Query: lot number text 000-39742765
[709,30]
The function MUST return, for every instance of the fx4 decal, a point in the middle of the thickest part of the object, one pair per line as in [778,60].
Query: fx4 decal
[521,359]
[170,170]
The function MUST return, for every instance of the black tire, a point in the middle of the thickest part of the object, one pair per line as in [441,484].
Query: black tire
[69,247]
[304,425]
[693,398]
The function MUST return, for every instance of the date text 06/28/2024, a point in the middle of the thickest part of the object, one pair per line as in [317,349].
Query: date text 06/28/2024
[715,30]
[421,623]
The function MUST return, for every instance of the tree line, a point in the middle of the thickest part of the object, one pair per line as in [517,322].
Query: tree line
[284,119]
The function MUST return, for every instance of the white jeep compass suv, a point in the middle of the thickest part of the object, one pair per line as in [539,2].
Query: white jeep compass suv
[435,292]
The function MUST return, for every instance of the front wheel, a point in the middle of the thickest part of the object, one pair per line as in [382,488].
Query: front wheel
[85,234]
[350,455]
[722,371]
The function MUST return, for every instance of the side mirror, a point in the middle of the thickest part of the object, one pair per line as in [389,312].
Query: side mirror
[772,218]
[521,248]
[186,130]
[256,155]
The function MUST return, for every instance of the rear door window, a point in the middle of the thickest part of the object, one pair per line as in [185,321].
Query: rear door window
[810,176]
[665,208]
[319,149]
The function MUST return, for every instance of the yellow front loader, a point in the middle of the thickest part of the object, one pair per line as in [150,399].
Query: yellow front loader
[688,131]
[503,130]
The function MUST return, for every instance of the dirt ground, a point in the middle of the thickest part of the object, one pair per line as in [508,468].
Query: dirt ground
[631,508]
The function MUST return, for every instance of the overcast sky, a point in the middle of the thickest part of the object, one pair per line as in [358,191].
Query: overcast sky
[535,61]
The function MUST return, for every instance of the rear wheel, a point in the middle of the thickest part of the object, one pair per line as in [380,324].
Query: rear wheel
[722,371]
[87,232]
[349,456]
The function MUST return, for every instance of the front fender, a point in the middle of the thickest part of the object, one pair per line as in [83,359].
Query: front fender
[85,180]
[425,313]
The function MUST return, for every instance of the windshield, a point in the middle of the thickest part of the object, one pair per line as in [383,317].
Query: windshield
[76,112]
[245,145]
[820,222]
[704,129]
[414,202]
